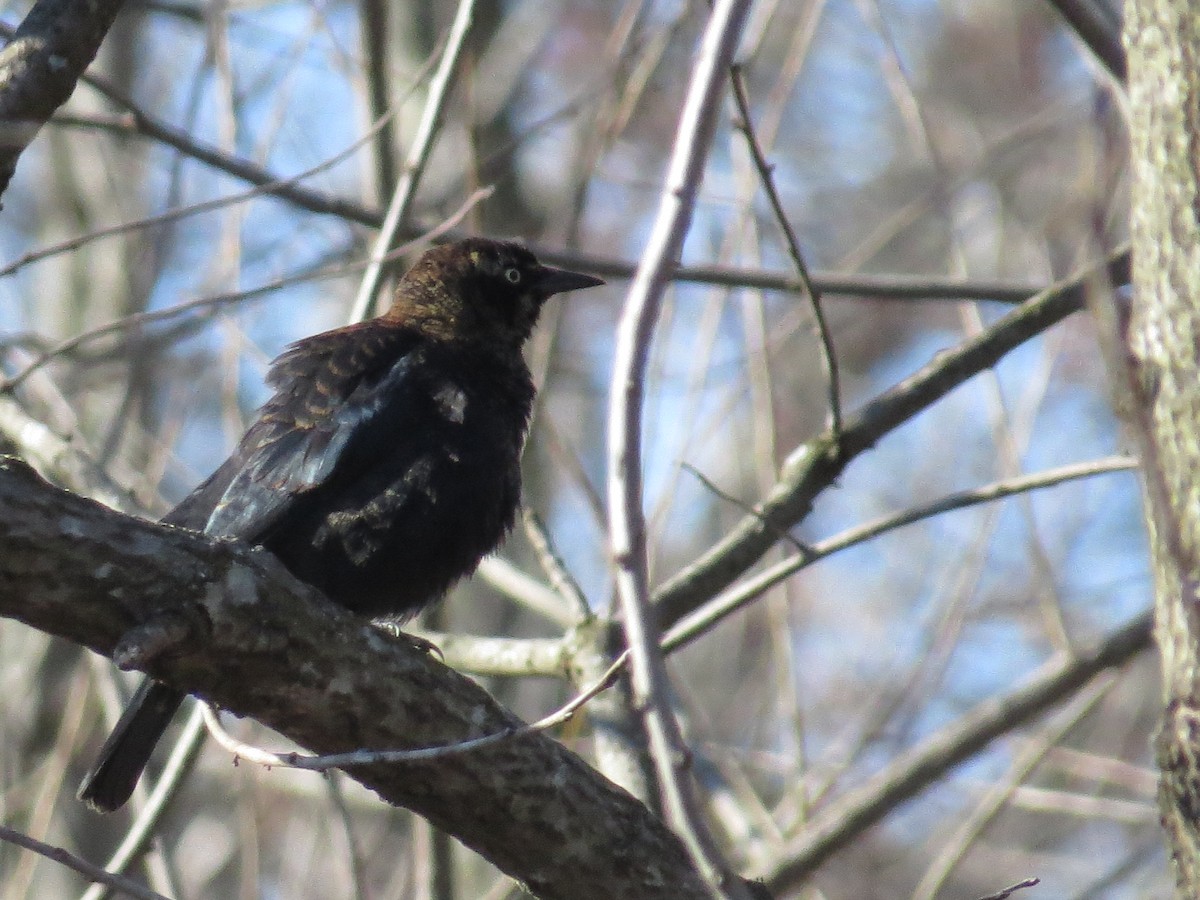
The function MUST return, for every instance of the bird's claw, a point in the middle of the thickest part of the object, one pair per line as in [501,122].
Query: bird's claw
[417,643]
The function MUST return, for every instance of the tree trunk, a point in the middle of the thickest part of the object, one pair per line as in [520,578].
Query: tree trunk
[1161,356]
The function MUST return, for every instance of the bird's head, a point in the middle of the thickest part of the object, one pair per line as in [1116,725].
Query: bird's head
[480,289]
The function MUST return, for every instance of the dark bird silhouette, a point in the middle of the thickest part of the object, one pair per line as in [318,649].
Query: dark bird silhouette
[385,465]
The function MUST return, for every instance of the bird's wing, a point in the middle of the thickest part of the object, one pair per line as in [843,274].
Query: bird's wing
[335,395]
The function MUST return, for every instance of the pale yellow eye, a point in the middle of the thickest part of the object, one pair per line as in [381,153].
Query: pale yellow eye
[512,276]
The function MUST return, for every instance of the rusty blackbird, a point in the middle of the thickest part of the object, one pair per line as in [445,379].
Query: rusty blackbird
[385,465]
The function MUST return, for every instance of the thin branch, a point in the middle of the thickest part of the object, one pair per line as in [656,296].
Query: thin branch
[374,39]
[504,656]
[813,466]
[876,287]
[651,693]
[1007,892]
[283,188]
[745,125]
[183,212]
[839,824]
[418,156]
[716,491]
[526,590]
[141,320]
[556,571]
[722,606]
[90,871]
[1098,30]
[323,763]
[145,825]
[999,795]
[889,286]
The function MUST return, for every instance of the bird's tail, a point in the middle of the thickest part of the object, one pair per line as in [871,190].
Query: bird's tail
[124,755]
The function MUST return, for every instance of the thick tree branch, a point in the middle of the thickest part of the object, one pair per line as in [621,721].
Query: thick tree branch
[39,69]
[259,643]
[1153,346]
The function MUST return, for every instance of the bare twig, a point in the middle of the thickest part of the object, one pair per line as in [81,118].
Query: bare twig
[560,578]
[183,212]
[999,795]
[322,763]
[839,824]
[703,619]
[828,354]
[880,287]
[373,32]
[740,504]
[813,466]
[651,694]
[526,590]
[140,320]
[1098,30]
[88,870]
[144,826]
[1007,892]
[418,156]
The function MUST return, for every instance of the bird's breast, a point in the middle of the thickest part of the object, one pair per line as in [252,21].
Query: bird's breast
[399,531]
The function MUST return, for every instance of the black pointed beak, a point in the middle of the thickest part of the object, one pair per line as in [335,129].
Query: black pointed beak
[556,281]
